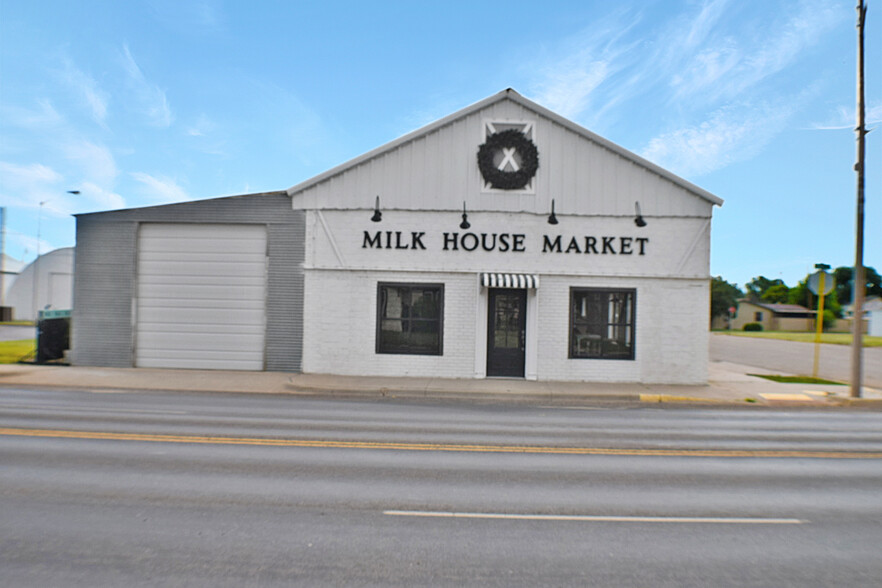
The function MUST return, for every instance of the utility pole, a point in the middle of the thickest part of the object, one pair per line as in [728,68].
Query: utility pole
[860,280]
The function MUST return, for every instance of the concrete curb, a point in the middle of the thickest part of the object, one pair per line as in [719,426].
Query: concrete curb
[444,394]
[670,398]
[858,402]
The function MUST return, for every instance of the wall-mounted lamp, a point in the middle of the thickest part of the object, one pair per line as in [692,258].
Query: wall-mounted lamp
[552,219]
[465,218]
[378,216]
[639,219]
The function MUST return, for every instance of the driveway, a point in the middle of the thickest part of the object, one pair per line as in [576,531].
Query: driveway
[792,357]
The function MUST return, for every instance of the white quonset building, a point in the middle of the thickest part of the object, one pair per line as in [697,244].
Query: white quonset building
[500,241]
[45,284]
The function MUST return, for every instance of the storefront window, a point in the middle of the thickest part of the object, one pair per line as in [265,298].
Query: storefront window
[409,318]
[602,323]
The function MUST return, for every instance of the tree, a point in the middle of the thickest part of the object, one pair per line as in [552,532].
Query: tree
[723,296]
[844,277]
[777,294]
[800,294]
[874,282]
[758,286]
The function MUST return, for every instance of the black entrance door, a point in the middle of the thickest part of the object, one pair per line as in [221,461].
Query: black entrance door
[506,326]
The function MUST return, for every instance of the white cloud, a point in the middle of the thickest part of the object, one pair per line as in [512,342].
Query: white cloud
[683,38]
[845,117]
[88,89]
[94,197]
[706,69]
[204,136]
[161,190]
[779,50]
[729,135]
[202,127]
[198,16]
[150,98]
[569,79]
[568,87]
[701,26]
[41,117]
[725,67]
[95,161]
[704,65]
[17,176]
[27,185]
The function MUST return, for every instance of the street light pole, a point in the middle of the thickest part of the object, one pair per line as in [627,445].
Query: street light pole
[36,276]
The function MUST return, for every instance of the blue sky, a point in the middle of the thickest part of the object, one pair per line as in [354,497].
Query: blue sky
[143,102]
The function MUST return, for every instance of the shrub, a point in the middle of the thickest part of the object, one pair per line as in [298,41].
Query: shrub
[753,327]
[829,319]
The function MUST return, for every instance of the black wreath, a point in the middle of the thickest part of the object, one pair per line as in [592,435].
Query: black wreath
[508,180]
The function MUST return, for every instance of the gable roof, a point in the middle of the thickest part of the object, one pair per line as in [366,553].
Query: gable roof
[511,95]
[781,309]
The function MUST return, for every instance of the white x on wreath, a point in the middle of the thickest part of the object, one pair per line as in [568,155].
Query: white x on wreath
[508,159]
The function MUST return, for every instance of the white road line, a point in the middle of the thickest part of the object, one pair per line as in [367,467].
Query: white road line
[551,407]
[594,518]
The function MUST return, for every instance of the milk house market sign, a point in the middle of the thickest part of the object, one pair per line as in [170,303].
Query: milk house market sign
[508,160]
[505,243]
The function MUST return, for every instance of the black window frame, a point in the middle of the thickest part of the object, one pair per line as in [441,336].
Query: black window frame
[603,345]
[383,347]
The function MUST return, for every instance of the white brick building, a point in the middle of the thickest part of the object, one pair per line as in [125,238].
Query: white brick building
[434,255]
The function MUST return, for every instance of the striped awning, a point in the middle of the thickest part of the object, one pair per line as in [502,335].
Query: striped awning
[510,281]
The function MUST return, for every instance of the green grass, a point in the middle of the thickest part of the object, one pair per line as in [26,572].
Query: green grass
[834,338]
[14,351]
[797,380]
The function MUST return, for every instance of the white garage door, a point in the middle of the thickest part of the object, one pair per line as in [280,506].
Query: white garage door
[201,296]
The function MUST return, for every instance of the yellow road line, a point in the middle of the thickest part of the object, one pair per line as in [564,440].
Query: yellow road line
[595,518]
[265,441]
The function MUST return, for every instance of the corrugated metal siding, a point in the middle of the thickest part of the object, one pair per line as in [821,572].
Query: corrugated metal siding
[439,170]
[284,329]
[104,282]
[104,289]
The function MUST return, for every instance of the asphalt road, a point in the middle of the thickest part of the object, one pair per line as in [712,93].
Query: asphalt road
[146,489]
[793,357]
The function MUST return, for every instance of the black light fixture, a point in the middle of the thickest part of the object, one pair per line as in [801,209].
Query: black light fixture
[465,218]
[639,219]
[378,216]
[552,218]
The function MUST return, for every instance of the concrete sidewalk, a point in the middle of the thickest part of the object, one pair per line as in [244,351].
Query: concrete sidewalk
[728,384]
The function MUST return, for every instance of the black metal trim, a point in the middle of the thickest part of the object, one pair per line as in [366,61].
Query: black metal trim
[633,325]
